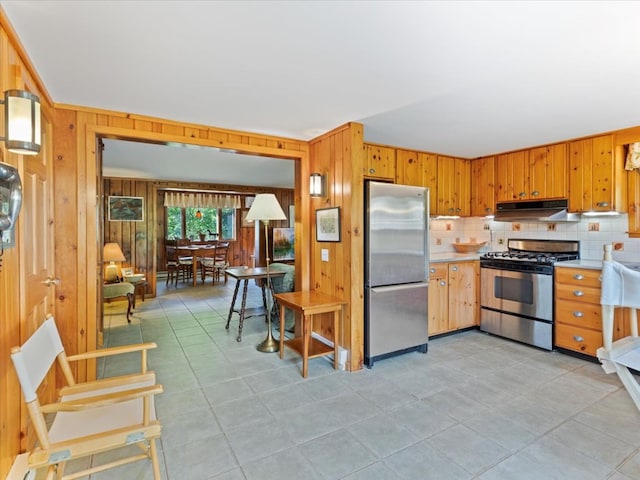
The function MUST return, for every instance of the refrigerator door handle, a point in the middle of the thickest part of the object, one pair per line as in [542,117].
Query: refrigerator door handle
[404,286]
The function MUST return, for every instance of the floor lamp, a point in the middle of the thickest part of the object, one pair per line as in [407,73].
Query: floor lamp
[265,207]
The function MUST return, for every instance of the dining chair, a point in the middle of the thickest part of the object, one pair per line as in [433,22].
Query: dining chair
[221,260]
[208,265]
[174,267]
[91,417]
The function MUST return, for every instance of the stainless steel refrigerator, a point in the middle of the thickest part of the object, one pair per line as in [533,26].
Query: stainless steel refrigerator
[396,266]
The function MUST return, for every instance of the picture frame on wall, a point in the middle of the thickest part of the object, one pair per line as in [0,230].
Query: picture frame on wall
[283,244]
[328,224]
[125,209]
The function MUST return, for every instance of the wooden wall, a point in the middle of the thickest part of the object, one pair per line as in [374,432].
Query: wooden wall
[16,72]
[143,242]
[339,155]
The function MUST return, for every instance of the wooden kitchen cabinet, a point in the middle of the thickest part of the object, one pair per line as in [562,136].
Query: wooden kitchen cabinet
[483,191]
[596,176]
[538,173]
[453,296]
[578,318]
[453,196]
[419,169]
[380,162]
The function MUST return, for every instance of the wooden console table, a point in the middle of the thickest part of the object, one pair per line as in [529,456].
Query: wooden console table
[308,304]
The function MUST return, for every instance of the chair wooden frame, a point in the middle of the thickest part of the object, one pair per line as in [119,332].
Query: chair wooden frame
[624,354]
[90,417]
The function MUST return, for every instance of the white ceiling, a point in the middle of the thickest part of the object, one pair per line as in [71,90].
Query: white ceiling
[455,77]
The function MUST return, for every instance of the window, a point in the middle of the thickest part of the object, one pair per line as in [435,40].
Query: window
[183,223]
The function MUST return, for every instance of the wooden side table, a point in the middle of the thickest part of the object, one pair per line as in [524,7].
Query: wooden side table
[308,304]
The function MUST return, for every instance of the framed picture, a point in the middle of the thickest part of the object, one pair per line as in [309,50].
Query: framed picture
[283,244]
[126,209]
[245,222]
[328,224]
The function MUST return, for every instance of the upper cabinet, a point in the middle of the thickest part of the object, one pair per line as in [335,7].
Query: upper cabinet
[596,178]
[381,162]
[483,186]
[532,174]
[419,169]
[454,186]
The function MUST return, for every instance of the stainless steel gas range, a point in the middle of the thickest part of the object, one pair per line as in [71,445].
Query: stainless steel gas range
[516,299]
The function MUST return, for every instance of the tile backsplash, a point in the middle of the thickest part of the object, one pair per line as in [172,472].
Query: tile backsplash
[592,232]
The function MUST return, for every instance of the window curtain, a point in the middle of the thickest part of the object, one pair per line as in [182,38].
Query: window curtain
[633,156]
[200,200]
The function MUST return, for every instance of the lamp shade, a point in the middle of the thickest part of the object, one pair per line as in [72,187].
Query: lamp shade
[266,207]
[112,253]
[22,122]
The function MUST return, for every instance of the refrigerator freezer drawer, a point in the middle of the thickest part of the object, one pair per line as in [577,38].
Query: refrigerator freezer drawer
[397,320]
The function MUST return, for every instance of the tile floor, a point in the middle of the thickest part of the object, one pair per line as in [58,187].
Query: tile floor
[473,407]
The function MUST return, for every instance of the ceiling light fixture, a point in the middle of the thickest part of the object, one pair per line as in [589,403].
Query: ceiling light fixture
[198,214]
[22,122]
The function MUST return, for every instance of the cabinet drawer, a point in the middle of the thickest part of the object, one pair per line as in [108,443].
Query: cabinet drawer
[438,270]
[578,339]
[578,293]
[575,276]
[581,314]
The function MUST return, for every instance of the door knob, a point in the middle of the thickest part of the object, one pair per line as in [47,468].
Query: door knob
[51,281]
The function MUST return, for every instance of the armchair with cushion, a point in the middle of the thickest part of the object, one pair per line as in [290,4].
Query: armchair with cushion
[282,284]
[126,290]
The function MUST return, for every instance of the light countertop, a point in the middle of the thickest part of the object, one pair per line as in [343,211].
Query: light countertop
[592,264]
[453,257]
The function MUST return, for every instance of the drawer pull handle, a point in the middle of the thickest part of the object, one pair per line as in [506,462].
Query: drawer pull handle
[578,338]
[602,204]
[578,314]
[454,269]
[535,193]
[432,270]
[578,276]
[578,293]
[443,283]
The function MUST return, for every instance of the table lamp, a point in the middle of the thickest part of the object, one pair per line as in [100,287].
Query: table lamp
[112,254]
[265,207]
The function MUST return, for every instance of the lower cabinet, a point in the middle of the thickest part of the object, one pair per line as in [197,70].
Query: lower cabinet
[453,296]
[578,319]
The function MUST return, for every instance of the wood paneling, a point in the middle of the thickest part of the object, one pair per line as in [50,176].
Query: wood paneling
[21,304]
[341,155]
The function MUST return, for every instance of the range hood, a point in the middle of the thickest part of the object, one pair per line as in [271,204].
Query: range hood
[535,210]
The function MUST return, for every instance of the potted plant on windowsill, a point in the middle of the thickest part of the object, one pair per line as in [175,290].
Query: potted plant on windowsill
[202,236]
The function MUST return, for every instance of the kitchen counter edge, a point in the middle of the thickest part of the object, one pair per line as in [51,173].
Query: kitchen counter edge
[453,257]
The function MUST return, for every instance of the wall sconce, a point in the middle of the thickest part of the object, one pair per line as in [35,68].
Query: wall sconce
[317,185]
[22,122]
[112,254]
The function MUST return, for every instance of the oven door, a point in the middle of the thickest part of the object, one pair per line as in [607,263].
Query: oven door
[518,293]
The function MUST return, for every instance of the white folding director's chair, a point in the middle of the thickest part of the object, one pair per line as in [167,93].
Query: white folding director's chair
[90,417]
[620,288]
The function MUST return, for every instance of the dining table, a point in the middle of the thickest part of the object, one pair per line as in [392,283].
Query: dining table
[196,252]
